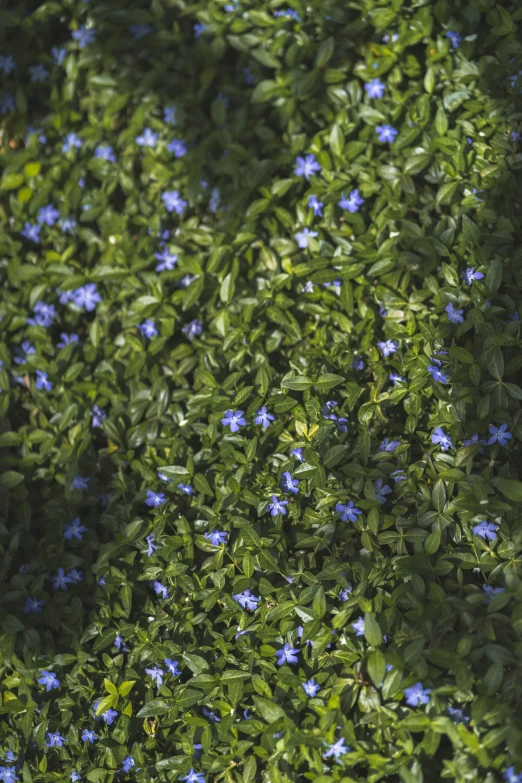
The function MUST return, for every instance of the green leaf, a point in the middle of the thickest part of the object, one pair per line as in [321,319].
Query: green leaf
[154,708]
[376,667]
[372,631]
[296,383]
[202,485]
[319,603]
[269,710]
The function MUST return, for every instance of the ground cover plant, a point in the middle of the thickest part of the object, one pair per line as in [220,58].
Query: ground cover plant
[260,423]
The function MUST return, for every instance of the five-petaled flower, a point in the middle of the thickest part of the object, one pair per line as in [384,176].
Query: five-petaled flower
[455,316]
[287,654]
[234,420]
[387,347]
[499,435]
[375,88]
[311,688]
[305,167]
[147,139]
[217,537]
[386,133]
[349,512]
[486,530]
[156,674]
[353,202]
[155,499]
[358,626]
[55,739]
[74,529]
[90,736]
[33,606]
[302,237]
[288,484]
[277,506]
[439,438]
[263,417]
[49,679]
[247,600]
[337,749]
[316,205]
[470,275]
[148,329]
[416,695]
[381,491]
[172,667]
[173,201]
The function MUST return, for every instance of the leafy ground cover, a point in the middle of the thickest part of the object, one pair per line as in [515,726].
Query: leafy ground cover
[260,424]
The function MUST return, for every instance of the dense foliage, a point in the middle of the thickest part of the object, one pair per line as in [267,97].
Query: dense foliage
[260,422]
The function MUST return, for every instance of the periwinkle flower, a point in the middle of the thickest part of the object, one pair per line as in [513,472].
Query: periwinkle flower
[168,260]
[263,417]
[349,512]
[90,736]
[33,606]
[440,438]
[161,590]
[247,600]
[277,506]
[298,454]
[151,544]
[234,420]
[486,530]
[193,776]
[172,667]
[127,764]
[7,64]
[287,654]
[108,717]
[381,491]
[288,484]
[193,329]
[306,166]
[49,679]
[47,215]
[302,237]
[217,537]
[38,73]
[288,12]
[308,288]
[510,776]
[458,715]
[31,232]
[436,372]
[80,482]
[185,488]
[74,529]
[105,152]
[316,205]
[55,739]
[156,674]
[71,142]
[386,133]
[375,88]
[198,30]
[42,381]
[337,749]
[388,347]
[173,201]
[67,225]
[357,363]
[470,275]
[389,445]
[98,416]
[396,379]
[353,202]
[148,329]
[155,499]
[75,576]
[455,38]
[84,36]
[178,147]
[147,139]
[417,695]
[58,54]
[499,435]
[491,592]
[358,626]
[7,103]
[455,316]
[169,115]
[398,476]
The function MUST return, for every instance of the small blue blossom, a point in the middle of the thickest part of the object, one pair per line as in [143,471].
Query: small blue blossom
[74,529]
[263,417]
[316,205]
[151,544]
[499,435]
[169,115]
[156,674]
[247,600]
[84,36]
[437,373]
[97,415]
[375,88]
[234,420]
[381,491]
[214,201]
[173,201]
[417,695]
[119,643]
[287,654]
[155,499]
[302,237]
[455,316]
[510,776]
[108,717]
[455,38]
[67,224]
[172,667]
[90,736]
[7,64]
[217,537]
[178,147]
[277,506]
[491,592]
[193,776]
[357,363]
[386,133]
[58,54]
[389,445]
[55,740]
[161,590]
[75,575]
[353,202]
[71,142]
[486,530]
[168,260]
[49,679]
[358,626]
[80,482]
[33,606]
[396,379]
[473,440]
[288,12]
[337,749]
[349,512]
[288,484]
[127,764]
[398,476]
[47,215]
[346,592]
[306,166]
[147,139]
[105,152]
[388,347]
[7,103]
[185,488]
[298,454]
[31,232]
[193,329]
[38,73]
[440,438]
[198,30]
[458,715]
[138,31]
[148,329]
[75,776]
[42,381]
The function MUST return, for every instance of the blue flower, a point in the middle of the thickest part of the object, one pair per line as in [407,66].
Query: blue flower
[49,679]
[108,717]
[83,36]
[75,576]
[346,592]
[75,776]
[486,530]
[68,224]
[61,581]
[48,215]
[193,776]
[44,314]
[288,654]
[306,166]
[491,592]
[140,30]
[127,764]
[168,260]
[288,12]
[387,39]
[185,488]
[375,88]
[316,205]
[193,329]
[277,506]
[7,774]
[302,237]
[169,115]
[42,381]
[398,476]
[148,329]
[470,275]
[147,139]
[417,695]
[499,435]
[388,347]
[308,288]
[389,445]
[455,316]
[88,735]
[352,203]
[311,688]
[31,232]
[178,147]
[234,420]
[458,715]
[349,512]
[173,201]
[74,529]
[119,643]
[437,373]
[510,776]
[396,379]
[217,537]
[58,54]
[214,201]
[198,29]
[98,416]
[161,590]
[38,73]
[298,454]
[381,491]
[80,482]
[155,499]
[172,667]
[358,626]
[151,545]
[7,64]
[288,484]
[263,417]
[156,674]
[386,133]
[357,363]
[33,606]
[440,438]
[55,740]
[337,749]
[105,152]
[70,142]
[474,439]
[247,600]
[455,38]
